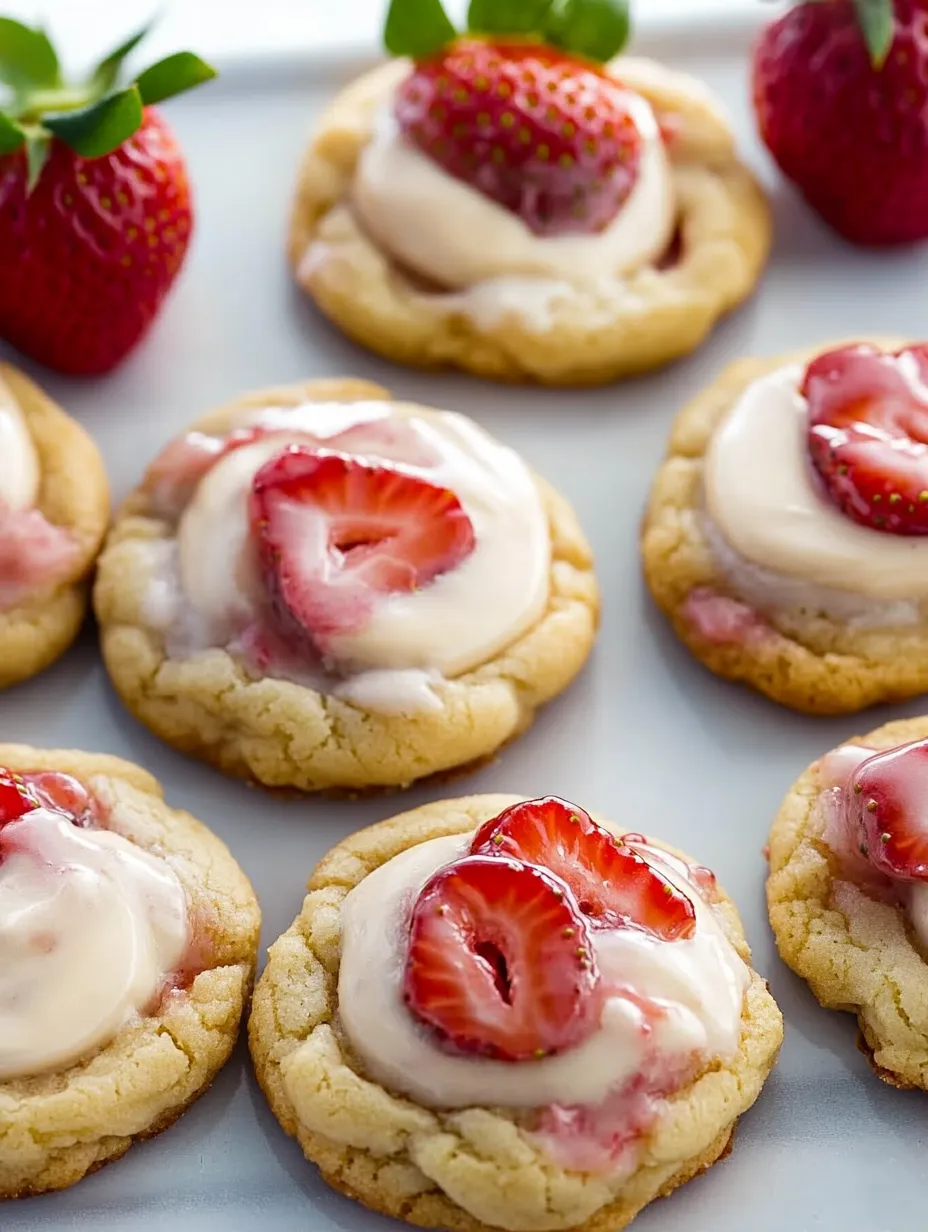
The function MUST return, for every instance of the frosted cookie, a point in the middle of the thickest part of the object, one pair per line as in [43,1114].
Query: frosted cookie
[54,507]
[318,588]
[848,891]
[786,532]
[501,1014]
[128,937]
[522,210]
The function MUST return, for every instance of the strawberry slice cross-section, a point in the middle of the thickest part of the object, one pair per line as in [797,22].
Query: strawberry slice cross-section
[500,962]
[613,884]
[888,811]
[21,794]
[868,434]
[337,534]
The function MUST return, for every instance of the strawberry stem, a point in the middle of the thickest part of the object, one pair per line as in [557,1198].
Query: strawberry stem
[93,117]
[877,24]
[417,28]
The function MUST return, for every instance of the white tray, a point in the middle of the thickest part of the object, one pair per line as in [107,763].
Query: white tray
[646,736]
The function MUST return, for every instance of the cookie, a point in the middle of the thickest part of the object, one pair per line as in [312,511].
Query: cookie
[417,266]
[441,1032]
[54,508]
[129,937]
[323,590]
[770,577]
[847,891]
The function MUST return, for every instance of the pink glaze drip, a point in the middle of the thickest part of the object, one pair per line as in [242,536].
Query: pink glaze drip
[199,956]
[605,1137]
[173,477]
[34,555]
[724,621]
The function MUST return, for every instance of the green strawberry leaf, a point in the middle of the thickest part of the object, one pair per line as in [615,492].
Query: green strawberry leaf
[877,24]
[597,29]
[12,135]
[507,16]
[27,58]
[106,74]
[173,75]
[102,127]
[38,148]
[417,28]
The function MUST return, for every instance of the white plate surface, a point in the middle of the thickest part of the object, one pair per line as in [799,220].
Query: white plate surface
[645,736]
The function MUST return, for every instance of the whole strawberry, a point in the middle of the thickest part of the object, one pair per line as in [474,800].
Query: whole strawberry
[95,208]
[841,93]
[521,109]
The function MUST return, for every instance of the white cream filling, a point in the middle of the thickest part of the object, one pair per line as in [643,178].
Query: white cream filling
[762,497]
[461,619]
[699,983]
[90,925]
[19,460]
[455,235]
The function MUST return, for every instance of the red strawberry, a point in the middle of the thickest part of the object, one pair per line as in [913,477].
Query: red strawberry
[841,94]
[500,962]
[614,886]
[21,793]
[95,211]
[335,533]
[868,434]
[888,806]
[17,796]
[547,135]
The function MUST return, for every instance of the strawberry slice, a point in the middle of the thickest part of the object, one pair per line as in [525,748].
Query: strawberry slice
[500,961]
[17,796]
[868,434]
[614,886]
[22,793]
[888,811]
[336,534]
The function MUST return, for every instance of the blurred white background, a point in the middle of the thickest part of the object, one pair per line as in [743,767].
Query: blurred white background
[229,27]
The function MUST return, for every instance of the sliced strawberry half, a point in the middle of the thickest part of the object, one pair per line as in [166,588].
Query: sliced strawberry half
[23,793]
[888,808]
[614,886]
[868,434]
[500,961]
[17,796]
[336,534]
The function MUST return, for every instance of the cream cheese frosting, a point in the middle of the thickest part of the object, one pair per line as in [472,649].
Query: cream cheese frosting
[461,619]
[458,237]
[19,461]
[698,983]
[762,497]
[90,926]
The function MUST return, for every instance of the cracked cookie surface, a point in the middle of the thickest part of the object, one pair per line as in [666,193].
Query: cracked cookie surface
[595,334]
[55,1128]
[797,657]
[73,494]
[474,1169]
[856,953]
[281,734]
